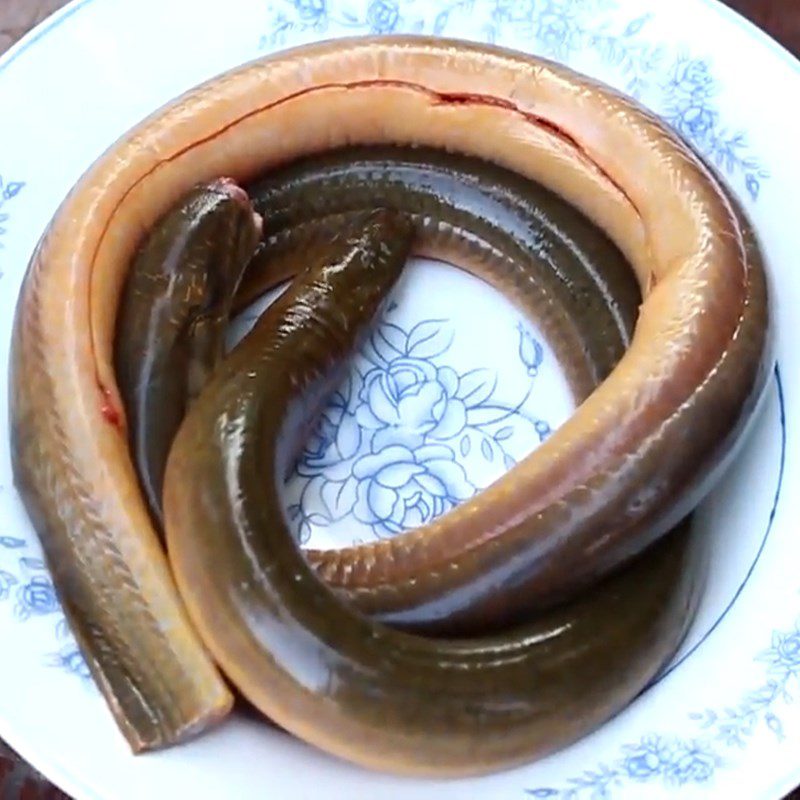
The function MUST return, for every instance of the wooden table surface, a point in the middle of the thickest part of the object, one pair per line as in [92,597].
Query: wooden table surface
[780,18]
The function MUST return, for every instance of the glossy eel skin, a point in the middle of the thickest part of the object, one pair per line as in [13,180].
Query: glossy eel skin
[558,268]
[668,414]
[381,698]
[174,311]
[480,584]
[523,239]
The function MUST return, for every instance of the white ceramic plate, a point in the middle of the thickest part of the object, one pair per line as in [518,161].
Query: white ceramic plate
[432,390]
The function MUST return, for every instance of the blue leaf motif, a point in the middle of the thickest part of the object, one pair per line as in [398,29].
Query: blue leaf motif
[542,792]
[32,563]
[465,445]
[476,387]
[487,451]
[62,629]
[440,23]
[11,542]
[428,339]
[7,580]
[504,433]
[71,660]
[339,498]
[390,341]
[636,26]
[509,461]
[775,725]
[12,190]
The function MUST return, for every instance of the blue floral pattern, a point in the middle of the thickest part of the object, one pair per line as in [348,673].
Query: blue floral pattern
[681,86]
[405,438]
[393,447]
[677,761]
[25,581]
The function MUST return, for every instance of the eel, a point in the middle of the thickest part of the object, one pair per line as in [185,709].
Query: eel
[381,698]
[173,314]
[647,443]
[518,236]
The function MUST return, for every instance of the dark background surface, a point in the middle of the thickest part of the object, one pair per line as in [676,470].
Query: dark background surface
[780,18]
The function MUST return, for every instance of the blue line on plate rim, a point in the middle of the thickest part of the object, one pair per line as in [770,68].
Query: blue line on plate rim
[759,553]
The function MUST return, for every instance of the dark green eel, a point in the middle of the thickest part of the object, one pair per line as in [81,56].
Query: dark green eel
[380,697]
[174,310]
[517,235]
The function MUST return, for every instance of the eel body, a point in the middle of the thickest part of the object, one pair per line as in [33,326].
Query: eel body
[382,698]
[639,452]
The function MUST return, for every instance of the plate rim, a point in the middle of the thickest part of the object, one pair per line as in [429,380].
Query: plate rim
[66,780]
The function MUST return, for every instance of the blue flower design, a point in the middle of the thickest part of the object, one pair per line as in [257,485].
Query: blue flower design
[553,32]
[673,762]
[693,79]
[310,10]
[695,765]
[334,442]
[697,122]
[383,16]
[784,654]
[531,353]
[383,454]
[410,400]
[37,597]
[641,766]
[400,489]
